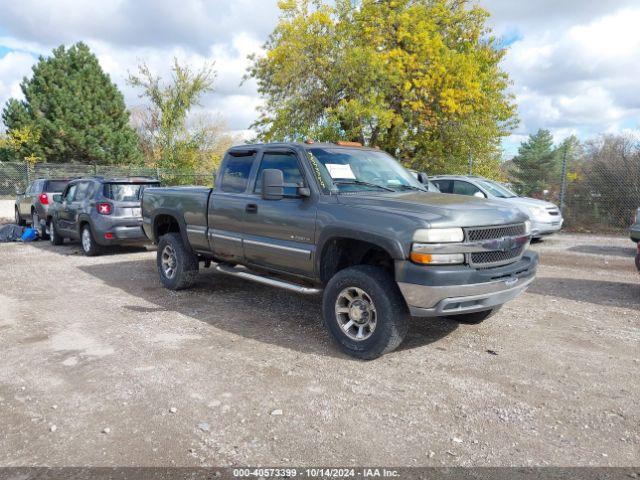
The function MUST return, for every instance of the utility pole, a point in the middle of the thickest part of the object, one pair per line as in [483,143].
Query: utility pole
[563,184]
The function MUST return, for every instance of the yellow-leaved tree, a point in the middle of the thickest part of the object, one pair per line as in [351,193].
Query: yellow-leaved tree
[418,78]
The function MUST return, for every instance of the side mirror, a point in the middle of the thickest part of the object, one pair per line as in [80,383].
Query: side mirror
[19,192]
[57,198]
[479,195]
[272,184]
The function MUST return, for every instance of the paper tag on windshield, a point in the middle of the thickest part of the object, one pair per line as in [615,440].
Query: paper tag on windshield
[337,170]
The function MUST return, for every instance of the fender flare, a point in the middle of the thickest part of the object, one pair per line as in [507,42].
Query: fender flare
[392,246]
[179,220]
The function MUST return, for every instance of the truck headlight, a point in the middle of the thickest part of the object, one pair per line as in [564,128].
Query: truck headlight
[438,235]
[527,227]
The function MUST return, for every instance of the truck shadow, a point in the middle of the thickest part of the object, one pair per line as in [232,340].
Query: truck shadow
[72,247]
[627,252]
[600,292]
[244,308]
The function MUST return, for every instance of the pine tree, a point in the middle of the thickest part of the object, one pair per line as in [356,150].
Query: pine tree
[536,163]
[77,111]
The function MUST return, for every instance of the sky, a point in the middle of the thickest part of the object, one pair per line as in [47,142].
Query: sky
[574,64]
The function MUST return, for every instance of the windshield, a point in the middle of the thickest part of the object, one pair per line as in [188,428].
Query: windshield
[497,190]
[126,192]
[356,169]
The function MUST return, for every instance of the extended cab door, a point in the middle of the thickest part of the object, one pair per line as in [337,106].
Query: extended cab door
[227,204]
[280,234]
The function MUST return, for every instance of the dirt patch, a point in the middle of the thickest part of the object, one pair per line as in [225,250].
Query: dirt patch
[95,343]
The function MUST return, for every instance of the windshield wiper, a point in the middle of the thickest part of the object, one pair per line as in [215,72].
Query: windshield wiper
[360,182]
[411,187]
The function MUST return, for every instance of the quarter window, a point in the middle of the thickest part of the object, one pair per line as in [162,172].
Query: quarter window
[235,174]
[288,163]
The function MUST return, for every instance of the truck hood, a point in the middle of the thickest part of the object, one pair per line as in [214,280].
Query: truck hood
[439,209]
[526,202]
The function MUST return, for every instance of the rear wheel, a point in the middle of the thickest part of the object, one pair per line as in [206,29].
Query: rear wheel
[177,266]
[37,225]
[473,318]
[54,236]
[365,312]
[19,220]
[89,246]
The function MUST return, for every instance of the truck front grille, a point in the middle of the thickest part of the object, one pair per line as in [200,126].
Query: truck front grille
[490,259]
[490,233]
[495,258]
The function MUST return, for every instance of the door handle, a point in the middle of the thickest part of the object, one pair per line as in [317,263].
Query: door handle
[251,208]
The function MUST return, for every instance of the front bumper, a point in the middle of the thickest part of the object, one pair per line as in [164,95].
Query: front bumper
[545,228]
[444,291]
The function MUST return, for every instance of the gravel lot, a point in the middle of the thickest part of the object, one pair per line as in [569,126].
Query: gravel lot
[101,366]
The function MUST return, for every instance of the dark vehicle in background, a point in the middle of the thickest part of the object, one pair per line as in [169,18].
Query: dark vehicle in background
[423,178]
[33,205]
[634,234]
[350,223]
[100,212]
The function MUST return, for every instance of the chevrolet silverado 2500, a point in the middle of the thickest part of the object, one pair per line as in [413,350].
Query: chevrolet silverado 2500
[352,224]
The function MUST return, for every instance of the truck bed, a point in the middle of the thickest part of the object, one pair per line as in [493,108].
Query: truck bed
[191,203]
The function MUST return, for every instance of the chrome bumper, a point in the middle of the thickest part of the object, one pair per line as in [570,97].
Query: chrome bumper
[437,301]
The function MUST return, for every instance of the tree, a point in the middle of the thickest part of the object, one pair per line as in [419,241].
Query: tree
[165,136]
[536,164]
[418,78]
[76,112]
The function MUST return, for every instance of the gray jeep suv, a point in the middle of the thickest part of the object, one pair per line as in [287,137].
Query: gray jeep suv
[99,212]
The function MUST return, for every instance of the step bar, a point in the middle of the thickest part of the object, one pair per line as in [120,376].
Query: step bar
[272,282]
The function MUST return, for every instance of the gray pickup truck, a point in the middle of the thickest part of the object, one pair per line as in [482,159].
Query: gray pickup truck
[350,223]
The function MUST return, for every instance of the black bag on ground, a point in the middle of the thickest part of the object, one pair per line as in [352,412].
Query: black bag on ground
[10,233]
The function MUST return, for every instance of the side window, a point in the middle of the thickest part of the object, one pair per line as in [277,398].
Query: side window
[288,163]
[465,188]
[82,191]
[444,185]
[235,173]
[71,191]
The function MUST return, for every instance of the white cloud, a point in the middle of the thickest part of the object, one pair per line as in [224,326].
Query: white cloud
[575,68]
[13,67]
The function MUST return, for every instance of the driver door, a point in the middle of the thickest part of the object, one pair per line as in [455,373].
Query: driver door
[280,234]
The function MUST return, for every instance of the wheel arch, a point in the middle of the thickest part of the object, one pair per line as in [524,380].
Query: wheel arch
[343,249]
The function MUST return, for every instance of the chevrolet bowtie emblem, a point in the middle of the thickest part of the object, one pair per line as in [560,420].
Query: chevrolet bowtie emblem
[504,244]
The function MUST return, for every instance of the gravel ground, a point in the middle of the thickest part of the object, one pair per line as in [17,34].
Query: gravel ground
[100,366]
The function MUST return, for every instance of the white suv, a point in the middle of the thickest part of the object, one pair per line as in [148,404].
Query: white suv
[545,217]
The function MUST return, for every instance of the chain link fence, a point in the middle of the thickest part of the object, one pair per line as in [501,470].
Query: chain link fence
[595,192]
[16,176]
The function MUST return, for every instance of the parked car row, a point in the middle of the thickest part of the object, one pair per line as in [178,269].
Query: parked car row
[99,212]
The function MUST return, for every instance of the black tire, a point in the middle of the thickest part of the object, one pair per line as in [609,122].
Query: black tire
[19,220]
[185,264]
[36,223]
[391,312]
[54,236]
[88,243]
[473,318]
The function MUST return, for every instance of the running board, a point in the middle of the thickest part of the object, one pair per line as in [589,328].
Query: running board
[267,280]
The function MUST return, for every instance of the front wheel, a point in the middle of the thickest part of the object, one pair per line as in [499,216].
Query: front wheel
[365,311]
[19,221]
[54,236]
[177,266]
